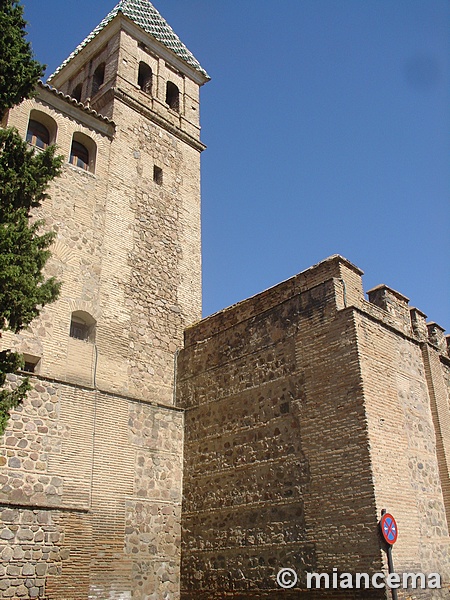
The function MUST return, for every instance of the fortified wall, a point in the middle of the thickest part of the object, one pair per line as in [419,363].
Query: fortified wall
[300,413]
[308,410]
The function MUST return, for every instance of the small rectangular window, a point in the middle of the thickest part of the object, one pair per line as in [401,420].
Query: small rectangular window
[157,175]
[31,363]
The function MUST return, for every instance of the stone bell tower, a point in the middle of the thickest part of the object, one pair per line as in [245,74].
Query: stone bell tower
[134,70]
[91,488]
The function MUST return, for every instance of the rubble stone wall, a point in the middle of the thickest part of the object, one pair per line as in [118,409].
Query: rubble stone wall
[308,410]
[277,461]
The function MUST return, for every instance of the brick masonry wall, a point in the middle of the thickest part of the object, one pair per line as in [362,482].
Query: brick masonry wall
[90,497]
[91,463]
[287,442]
[439,403]
[75,211]
[158,245]
[277,462]
[403,440]
[127,247]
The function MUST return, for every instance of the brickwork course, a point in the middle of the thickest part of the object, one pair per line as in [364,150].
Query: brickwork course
[163,457]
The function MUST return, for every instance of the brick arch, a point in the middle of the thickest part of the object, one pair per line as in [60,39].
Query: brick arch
[85,307]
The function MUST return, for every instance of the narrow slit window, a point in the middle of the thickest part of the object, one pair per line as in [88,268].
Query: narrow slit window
[157,175]
[76,92]
[98,78]
[173,96]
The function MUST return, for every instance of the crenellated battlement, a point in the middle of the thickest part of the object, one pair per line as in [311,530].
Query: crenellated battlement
[410,320]
[383,304]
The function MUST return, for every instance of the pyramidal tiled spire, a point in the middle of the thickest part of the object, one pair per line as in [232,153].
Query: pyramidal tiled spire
[145,15]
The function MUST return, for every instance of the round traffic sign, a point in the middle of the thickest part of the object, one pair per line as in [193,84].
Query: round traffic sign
[389,528]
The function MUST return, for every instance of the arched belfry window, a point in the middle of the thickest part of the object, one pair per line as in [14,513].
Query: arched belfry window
[76,92]
[37,134]
[82,326]
[173,96]
[83,152]
[145,76]
[98,78]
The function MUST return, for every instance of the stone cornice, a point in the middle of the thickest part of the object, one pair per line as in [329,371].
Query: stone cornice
[134,104]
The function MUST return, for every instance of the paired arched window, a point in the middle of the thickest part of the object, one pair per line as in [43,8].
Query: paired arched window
[77,91]
[83,152]
[41,131]
[82,326]
[173,96]
[145,77]
[98,78]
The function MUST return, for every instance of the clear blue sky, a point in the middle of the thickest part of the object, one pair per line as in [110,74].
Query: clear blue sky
[327,124]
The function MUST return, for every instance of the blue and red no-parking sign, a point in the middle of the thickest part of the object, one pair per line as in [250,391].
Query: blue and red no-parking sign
[389,528]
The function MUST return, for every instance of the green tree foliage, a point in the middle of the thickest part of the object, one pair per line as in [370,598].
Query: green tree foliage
[24,177]
[10,362]
[19,72]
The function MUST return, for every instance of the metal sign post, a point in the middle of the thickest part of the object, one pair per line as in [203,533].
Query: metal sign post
[389,531]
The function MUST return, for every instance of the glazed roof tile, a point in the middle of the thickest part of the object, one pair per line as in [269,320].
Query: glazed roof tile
[145,15]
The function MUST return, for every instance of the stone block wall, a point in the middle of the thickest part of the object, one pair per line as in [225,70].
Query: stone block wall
[35,550]
[158,248]
[91,463]
[405,458]
[75,211]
